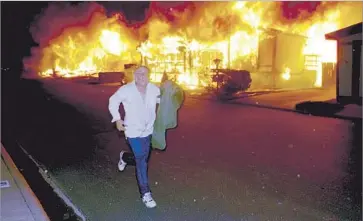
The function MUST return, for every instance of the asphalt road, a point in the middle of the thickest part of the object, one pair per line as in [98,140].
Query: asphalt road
[223,162]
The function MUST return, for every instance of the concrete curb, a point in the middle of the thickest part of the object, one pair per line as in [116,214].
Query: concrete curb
[243,95]
[214,98]
[31,199]
[48,178]
[233,101]
[295,111]
[66,199]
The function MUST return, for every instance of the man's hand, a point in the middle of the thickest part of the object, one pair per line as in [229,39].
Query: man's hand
[120,125]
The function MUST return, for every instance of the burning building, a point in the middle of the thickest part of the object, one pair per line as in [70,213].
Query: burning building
[277,40]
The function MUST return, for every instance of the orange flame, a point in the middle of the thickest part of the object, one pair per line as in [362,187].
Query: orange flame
[185,45]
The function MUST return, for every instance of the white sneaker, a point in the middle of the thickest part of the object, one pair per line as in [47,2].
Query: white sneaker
[148,200]
[121,164]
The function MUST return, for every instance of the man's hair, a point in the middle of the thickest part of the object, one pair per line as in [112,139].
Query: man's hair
[141,68]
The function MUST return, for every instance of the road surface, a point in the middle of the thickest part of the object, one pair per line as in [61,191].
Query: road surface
[223,162]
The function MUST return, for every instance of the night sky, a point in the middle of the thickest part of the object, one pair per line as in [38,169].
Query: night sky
[16,40]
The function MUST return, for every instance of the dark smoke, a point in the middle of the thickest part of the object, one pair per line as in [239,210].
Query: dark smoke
[53,20]
[298,10]
[292,14]
[295,12]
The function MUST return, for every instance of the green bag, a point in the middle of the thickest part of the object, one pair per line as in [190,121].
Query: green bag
[172,97]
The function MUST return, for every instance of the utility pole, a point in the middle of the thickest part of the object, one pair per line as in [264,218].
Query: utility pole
[229,46]
[229,52]
[182,49]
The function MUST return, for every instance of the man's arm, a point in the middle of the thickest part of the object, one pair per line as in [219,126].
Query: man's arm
[114,103]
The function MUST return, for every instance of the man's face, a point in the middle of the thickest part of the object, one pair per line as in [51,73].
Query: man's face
[141,76]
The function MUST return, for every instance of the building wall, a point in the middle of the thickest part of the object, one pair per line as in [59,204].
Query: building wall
[345,65]
[275,53]
[345,69]
[360,82]
[287,56]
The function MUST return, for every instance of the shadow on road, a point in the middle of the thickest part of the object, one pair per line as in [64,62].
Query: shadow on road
[52,132]
[30,118]
[319,108]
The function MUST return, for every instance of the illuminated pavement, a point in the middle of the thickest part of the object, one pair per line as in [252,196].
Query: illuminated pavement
[223,162]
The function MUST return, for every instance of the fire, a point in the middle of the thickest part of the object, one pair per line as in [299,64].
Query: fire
[92,44]
[111,42]
[326,50]
[83,61]
[190,80]
[185,46]
[286,75]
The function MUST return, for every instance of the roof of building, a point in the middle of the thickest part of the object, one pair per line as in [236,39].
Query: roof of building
[345,32]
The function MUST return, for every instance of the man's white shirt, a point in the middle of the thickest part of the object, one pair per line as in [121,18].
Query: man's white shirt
[140,114]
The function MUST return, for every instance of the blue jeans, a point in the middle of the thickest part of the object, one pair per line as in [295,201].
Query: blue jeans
[140,146]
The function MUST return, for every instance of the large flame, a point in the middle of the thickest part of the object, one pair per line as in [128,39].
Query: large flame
[326,50]
[183,41]
[286,75]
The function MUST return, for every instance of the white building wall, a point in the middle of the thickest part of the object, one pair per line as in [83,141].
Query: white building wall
[360,76]
[345,65]
[345,70]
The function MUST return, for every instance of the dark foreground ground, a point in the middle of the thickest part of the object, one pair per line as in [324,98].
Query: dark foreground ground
[223,162]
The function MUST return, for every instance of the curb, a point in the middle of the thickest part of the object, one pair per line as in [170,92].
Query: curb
[214,98]
[297,111]
[252,94]
[207,96]
[47,177]
[30,198]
